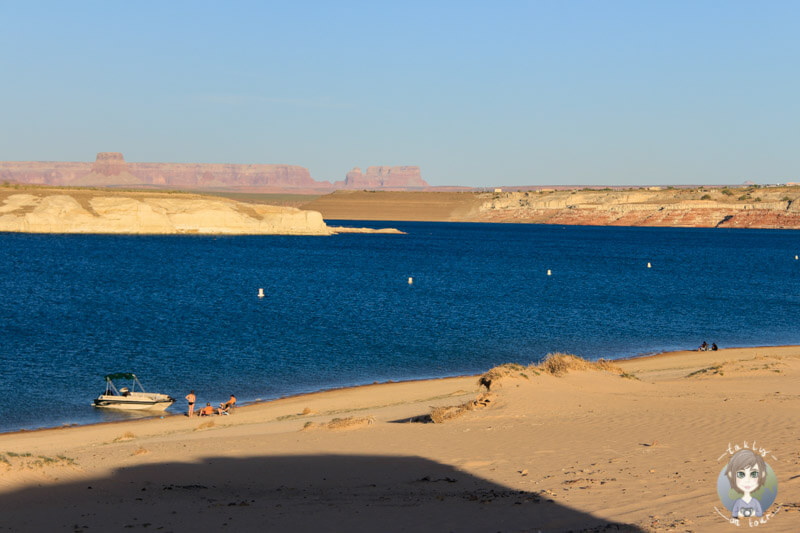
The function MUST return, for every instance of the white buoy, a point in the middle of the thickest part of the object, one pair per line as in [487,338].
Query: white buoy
[548,272]
[648,265]
[410,281]
[260,293]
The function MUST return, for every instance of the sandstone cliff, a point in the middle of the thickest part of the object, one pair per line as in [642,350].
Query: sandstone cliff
[111,169]
[76,211]
[746,208]
[741,207]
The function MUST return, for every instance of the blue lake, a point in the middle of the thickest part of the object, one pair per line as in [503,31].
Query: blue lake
[182,311]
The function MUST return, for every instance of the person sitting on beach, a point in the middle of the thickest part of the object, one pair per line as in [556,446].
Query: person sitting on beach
[703,347]
[714,347]
[207,410]
[225,408]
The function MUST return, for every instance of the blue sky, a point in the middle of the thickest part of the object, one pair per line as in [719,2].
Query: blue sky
[475,93]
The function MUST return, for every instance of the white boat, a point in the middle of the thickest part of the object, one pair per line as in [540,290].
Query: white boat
[131,399]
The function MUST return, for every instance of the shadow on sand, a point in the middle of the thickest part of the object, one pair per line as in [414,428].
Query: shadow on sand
[322,493]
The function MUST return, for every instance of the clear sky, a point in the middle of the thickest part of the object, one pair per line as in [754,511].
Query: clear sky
[475,93]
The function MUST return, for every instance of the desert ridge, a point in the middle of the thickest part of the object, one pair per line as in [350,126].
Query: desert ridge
[568,445]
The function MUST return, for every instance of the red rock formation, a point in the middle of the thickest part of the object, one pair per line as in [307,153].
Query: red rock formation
[404,177]
[109,164]
[110,168]
[353,178]
[43,172]
[204,175]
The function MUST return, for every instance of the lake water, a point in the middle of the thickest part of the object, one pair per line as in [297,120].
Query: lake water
[182,313]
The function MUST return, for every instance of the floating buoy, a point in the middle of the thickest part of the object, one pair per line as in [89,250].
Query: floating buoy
[795,258]
[648,265]
[548,272]
[260,293]
[410,281]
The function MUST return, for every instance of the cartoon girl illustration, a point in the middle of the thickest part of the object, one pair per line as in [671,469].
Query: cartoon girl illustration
[746,473]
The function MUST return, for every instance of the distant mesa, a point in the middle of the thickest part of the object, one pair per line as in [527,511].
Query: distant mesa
[404,177]
[110,164]
[111,169]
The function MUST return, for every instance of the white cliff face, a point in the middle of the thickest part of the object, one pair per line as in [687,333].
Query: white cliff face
[62,213]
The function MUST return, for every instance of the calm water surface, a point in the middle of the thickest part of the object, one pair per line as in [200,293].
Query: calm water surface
[182,311]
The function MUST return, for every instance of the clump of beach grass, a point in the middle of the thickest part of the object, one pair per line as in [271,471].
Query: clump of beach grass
[305,412]
[30,461]
[559,364]
[556,364]
[710,370]
[442,414]
[351,422]
[124,437]
[506,370]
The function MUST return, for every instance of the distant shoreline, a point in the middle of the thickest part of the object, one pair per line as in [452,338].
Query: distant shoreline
[773,207]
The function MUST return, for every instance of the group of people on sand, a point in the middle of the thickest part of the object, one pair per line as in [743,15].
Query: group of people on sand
[223,409]
[705,347]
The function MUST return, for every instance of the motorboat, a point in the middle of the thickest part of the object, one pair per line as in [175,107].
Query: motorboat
[133,398]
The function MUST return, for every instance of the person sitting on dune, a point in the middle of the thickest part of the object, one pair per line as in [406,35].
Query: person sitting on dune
[207,410]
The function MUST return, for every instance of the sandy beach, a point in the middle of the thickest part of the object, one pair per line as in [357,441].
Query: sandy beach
[589,449]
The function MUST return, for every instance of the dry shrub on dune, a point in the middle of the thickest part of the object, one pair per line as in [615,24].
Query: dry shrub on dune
[555,364]
[559,364]
[350,422]
[125,436]
[508,369]
[442,414]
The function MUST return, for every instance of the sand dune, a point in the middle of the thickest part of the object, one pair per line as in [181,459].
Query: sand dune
[639,446]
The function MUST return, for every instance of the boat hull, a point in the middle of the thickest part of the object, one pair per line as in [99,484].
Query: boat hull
[133,403]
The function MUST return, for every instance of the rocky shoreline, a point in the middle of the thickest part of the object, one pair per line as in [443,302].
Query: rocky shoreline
[734,207]
[758,208]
